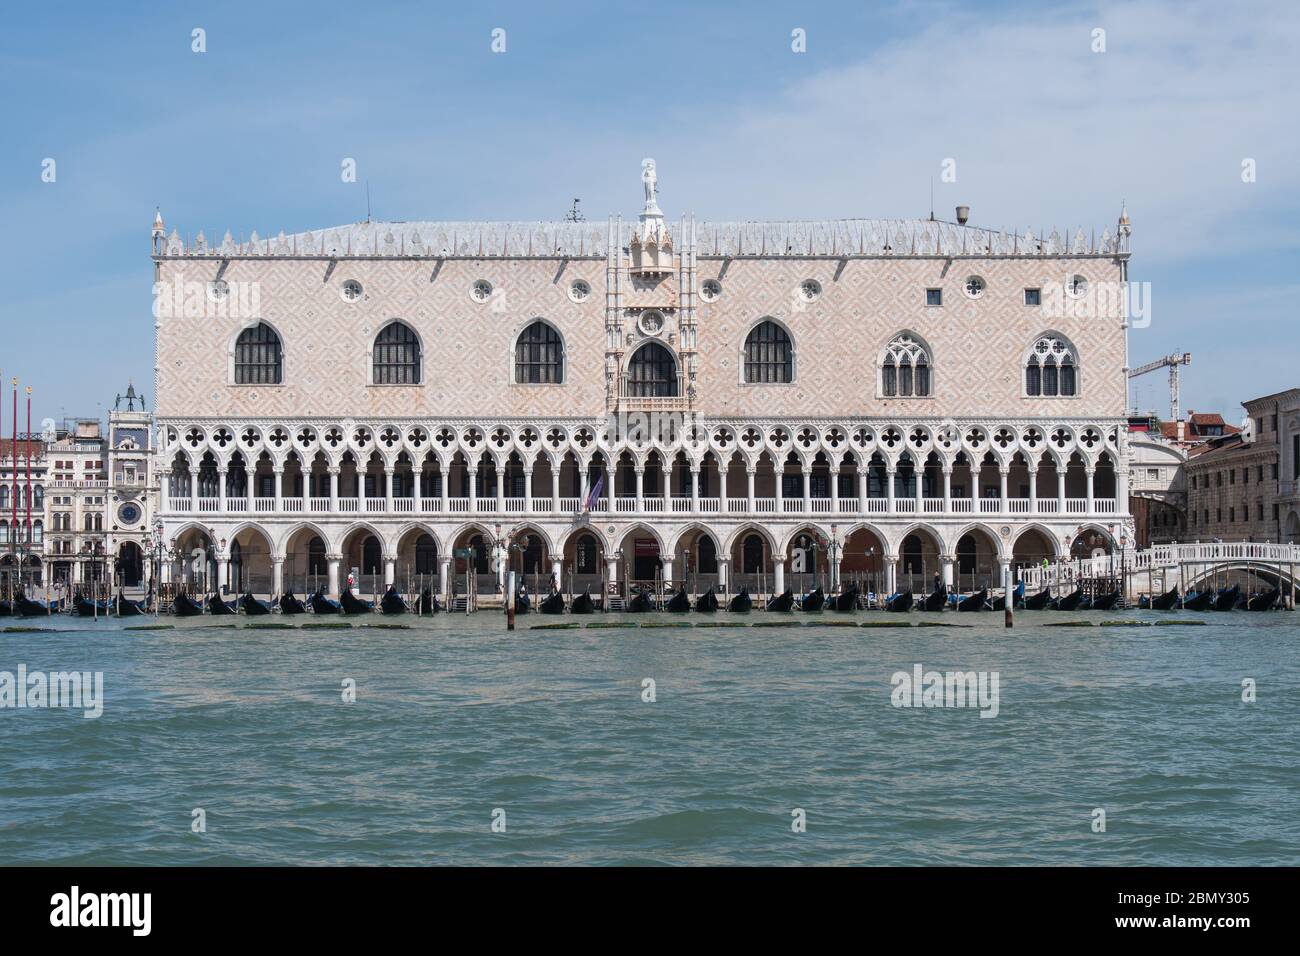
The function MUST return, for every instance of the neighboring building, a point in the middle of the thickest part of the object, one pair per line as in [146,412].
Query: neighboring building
[132,492]
[1243,486]
[22,515]
[1157,489]
[733,401]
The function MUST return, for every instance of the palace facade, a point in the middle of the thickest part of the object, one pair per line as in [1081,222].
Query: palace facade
[759,404]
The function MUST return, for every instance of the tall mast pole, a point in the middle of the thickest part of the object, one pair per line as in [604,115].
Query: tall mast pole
[29,464]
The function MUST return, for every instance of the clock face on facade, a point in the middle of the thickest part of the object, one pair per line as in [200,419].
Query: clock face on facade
[128,513]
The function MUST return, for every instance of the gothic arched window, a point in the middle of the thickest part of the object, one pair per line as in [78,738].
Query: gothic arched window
[652,373]
[396,355]
[905,368]
[1052,369]
[258,356]
[769,354]
[539,356]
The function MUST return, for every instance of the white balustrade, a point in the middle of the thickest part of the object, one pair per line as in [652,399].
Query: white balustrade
[209,505]
[404,506]
[292,505]
[681,505]
[320,505]
[458,506]
[375,505]
[765,506]
[263,505]
[237,505]
[515,505]
[710,506]
[349,506]
[933,506]
[179,504]
[1018,506]
[1076,506]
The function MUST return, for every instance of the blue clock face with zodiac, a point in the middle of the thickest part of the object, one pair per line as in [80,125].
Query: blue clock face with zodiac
[129,513]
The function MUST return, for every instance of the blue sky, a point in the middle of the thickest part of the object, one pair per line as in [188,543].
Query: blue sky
[1046,134]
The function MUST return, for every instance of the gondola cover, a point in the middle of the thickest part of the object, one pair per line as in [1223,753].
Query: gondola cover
[218,606]
[392,602]
[742,602]
[583,604]
[183,606]
[252,606]
[979,601]
[321,604]
[352,604]
[901,601]
[782,602]
[848,601]
[708,601]
[291,605]
[679,603]
[552,603]
[813,600]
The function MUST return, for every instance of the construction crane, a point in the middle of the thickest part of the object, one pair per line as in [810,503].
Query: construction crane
[1173,362]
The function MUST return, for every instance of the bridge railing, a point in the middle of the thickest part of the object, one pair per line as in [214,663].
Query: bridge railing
[1160,557]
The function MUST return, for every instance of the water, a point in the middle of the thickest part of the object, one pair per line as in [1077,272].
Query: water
[455,717]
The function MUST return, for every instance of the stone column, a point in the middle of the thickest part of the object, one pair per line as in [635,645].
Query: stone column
[389,475]
[611,572]
[724,566]
[611,472]
[1121,490]
[806,471]
[695,488]
[919,472]
[444,573]
[1002,489]
[528,489]
[473,491]
[668,571]
[778,576]
[278,475]
[557,569]
[390,569]
[555,487]
[779,474]
[640,489]
[947,489]
[221,491]
[835,490]
[334,488]
[332,572]
[1060,490]
[499,472]
[890,471]
[1089,473]
[1033,490]
[277,574]
[444,488]
[862,489]
[749,489]
[223,572]
[194,488]
[722,491]
[946,561]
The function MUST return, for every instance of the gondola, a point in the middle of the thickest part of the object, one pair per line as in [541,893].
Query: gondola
[1085,604]
[936,600]
[1037,602]
[352,604]
[26,607]
[813,600]
[708,601]
[680,603]
[1105,602]
[1227,599]
[552,603]
[428,603]
[781,602]
[291,605]
[847,600]
[641,603]
[184,606]
[125,608]
[320,604]
[999,603]
[84,608]
[583,604]
[1264,602]
[1200,601]
[1165,601]
[392,602]
[742,603]
[1070,602]
[218,606]
[5,609]
[253,607]
[523,603]
[902,601]
[979,601]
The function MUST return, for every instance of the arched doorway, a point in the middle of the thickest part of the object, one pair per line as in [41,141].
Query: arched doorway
[130,565]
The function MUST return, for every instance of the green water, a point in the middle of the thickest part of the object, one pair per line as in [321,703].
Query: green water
[455,718]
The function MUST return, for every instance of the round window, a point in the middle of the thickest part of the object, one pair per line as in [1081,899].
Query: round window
[975,287]
[481,291]
[579,290]
[218,290]
[810,289]
[351,290]
[652,322]
[710,289]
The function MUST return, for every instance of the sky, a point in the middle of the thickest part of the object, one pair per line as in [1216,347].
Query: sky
[1184,102]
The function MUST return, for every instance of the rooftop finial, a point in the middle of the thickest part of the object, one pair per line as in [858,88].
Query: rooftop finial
[158,228]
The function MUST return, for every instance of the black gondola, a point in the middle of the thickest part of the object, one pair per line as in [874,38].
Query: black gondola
[999,603]
[1039,601]
[902,601]
[218,606]
[1105,602]
[583,604]
[847,600]
[26,607]
[523,603]
[979,601]
[1070,602]
[125,608]
[392,602]
[428,603]
[1165,601]
[253,607]
[813,600]
[1227,599]
[185,606]
[1264,602]
[742,603]
[5,609]
[708,601]
[320,604]
[553,603]
[352,604]
[291,605]
[84,608]
[936,600]
[1201,601]
[782,602]
[680,603]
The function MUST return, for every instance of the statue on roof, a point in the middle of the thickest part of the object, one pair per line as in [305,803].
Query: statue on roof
[651,183]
